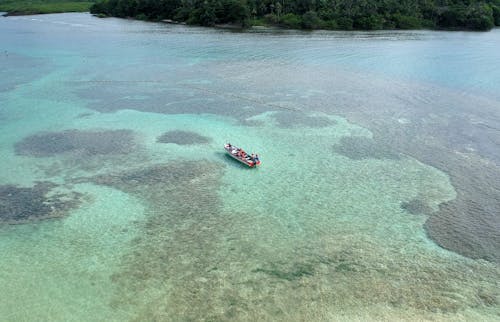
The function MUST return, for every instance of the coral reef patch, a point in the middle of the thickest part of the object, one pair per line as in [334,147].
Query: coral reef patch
[452,228]
[360,147]
[16,69]
[25,204]
[417,207]
[103,142]
[182,138]
[170,99]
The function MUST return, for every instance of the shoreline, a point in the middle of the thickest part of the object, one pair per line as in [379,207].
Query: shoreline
[234,26]
[280,27]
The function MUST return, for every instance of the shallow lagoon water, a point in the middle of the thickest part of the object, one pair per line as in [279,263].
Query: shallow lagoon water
[373,145]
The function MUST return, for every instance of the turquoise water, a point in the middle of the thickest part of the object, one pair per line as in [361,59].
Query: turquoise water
[377,198]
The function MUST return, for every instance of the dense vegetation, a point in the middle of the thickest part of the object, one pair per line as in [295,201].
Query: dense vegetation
[314,14]
[18,7]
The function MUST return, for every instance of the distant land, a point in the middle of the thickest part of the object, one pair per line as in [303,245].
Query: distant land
[31,7]
[295,14]
[314,14]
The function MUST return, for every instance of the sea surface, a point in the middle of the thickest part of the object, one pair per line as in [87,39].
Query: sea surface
[378,197]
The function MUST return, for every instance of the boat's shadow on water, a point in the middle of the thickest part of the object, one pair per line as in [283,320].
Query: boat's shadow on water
[230,162]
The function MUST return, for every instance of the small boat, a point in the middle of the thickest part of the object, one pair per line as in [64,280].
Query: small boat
[237,153]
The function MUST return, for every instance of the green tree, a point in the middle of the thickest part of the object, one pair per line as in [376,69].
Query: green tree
[312,14]
[406,22]
[310,20]
[345,23]
[496,15]
[291,20]
[207,15]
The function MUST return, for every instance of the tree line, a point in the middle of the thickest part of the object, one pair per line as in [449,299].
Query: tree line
[314,14]
[29,7]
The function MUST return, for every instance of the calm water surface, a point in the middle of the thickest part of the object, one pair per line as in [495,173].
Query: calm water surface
[378,197]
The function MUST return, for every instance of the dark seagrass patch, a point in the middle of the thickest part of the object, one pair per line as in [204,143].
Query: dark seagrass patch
[26,204]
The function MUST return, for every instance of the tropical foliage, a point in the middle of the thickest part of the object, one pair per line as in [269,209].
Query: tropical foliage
[313,14]
[24,7]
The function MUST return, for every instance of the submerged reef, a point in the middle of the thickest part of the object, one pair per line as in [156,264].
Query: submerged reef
[295,272]
[16,70]
[171,175]
[84,115]
[103,142]
[170,99]
[26,204]
[297,119]
[182,138]
[181,233]
[194,251]
[467,227]
[417,207]
[361,147]
[455,133]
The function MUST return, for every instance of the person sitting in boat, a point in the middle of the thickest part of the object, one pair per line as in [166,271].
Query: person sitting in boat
[256,158]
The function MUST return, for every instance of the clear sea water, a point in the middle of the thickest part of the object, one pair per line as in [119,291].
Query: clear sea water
[378,197]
